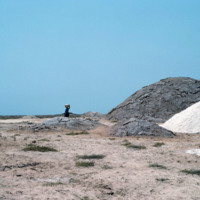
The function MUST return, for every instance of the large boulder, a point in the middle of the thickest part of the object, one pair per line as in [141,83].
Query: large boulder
[159,101]
[139,127]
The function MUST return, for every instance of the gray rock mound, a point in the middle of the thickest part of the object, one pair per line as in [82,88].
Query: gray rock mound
[160,101]
[95,115]
[69,123]
[139,127]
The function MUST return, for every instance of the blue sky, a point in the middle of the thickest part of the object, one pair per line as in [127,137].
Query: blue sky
[92,54]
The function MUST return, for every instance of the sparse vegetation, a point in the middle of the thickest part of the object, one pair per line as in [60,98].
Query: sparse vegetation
[93,156]
[52,184]
[32,147]
[84,164]
[44,140]
[26,138]
[191,171]
[138,147]
[17,135]
[111,138]
[78,133]
[155,165]
[126,143]
[14,137]
[72,180]
[106,167]
[129,145]
[159,144]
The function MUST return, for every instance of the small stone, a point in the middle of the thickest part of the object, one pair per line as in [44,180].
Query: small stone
[140,127]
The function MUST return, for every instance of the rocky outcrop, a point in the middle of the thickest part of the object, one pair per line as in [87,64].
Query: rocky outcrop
[139,127]
[69,123]
[94,115]
[159,101]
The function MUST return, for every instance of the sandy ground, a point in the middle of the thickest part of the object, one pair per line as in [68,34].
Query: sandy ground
[123,174]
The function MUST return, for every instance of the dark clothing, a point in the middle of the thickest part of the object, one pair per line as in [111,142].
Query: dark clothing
[66,112]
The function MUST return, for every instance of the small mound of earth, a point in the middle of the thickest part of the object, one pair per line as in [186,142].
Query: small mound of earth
[96,115]
[140,127]
[69,123]
[187,121]
[29,117]
[159,101]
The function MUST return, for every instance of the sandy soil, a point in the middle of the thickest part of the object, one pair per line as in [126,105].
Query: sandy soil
[123,174]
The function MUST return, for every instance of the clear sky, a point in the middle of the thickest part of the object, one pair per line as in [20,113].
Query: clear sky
[92,54]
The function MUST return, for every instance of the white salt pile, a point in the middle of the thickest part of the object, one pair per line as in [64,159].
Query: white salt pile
[194,151]
[187,121]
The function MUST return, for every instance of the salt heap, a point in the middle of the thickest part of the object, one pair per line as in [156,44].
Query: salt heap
[187,121]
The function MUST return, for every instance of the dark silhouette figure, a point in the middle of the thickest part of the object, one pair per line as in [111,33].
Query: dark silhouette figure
[66,114]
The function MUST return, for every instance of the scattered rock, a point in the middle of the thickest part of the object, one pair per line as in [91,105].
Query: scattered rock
[140,127]
[159,101]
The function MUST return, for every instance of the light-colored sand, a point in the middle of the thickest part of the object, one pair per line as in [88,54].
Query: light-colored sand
[187,121]
[123,174]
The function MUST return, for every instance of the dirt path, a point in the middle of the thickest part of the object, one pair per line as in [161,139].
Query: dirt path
[124,173]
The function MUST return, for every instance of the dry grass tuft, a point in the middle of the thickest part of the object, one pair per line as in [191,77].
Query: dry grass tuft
[85,164]
[93,156]
[155,165]
[158,144]
[191,171]
[78,133]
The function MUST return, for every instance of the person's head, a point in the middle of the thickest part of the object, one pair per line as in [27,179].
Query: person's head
[67,106]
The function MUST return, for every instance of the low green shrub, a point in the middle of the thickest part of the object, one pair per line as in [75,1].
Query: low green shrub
[52,184]
[77,133]
[132,146]
[32,147]
[85,164]
[191,171]
[155,165]
[159,144]
[111,138]
[93,156]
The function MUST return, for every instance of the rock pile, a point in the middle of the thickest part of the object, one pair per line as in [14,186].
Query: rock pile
[140,127]
[159,101]
[187,121]
[69,123]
